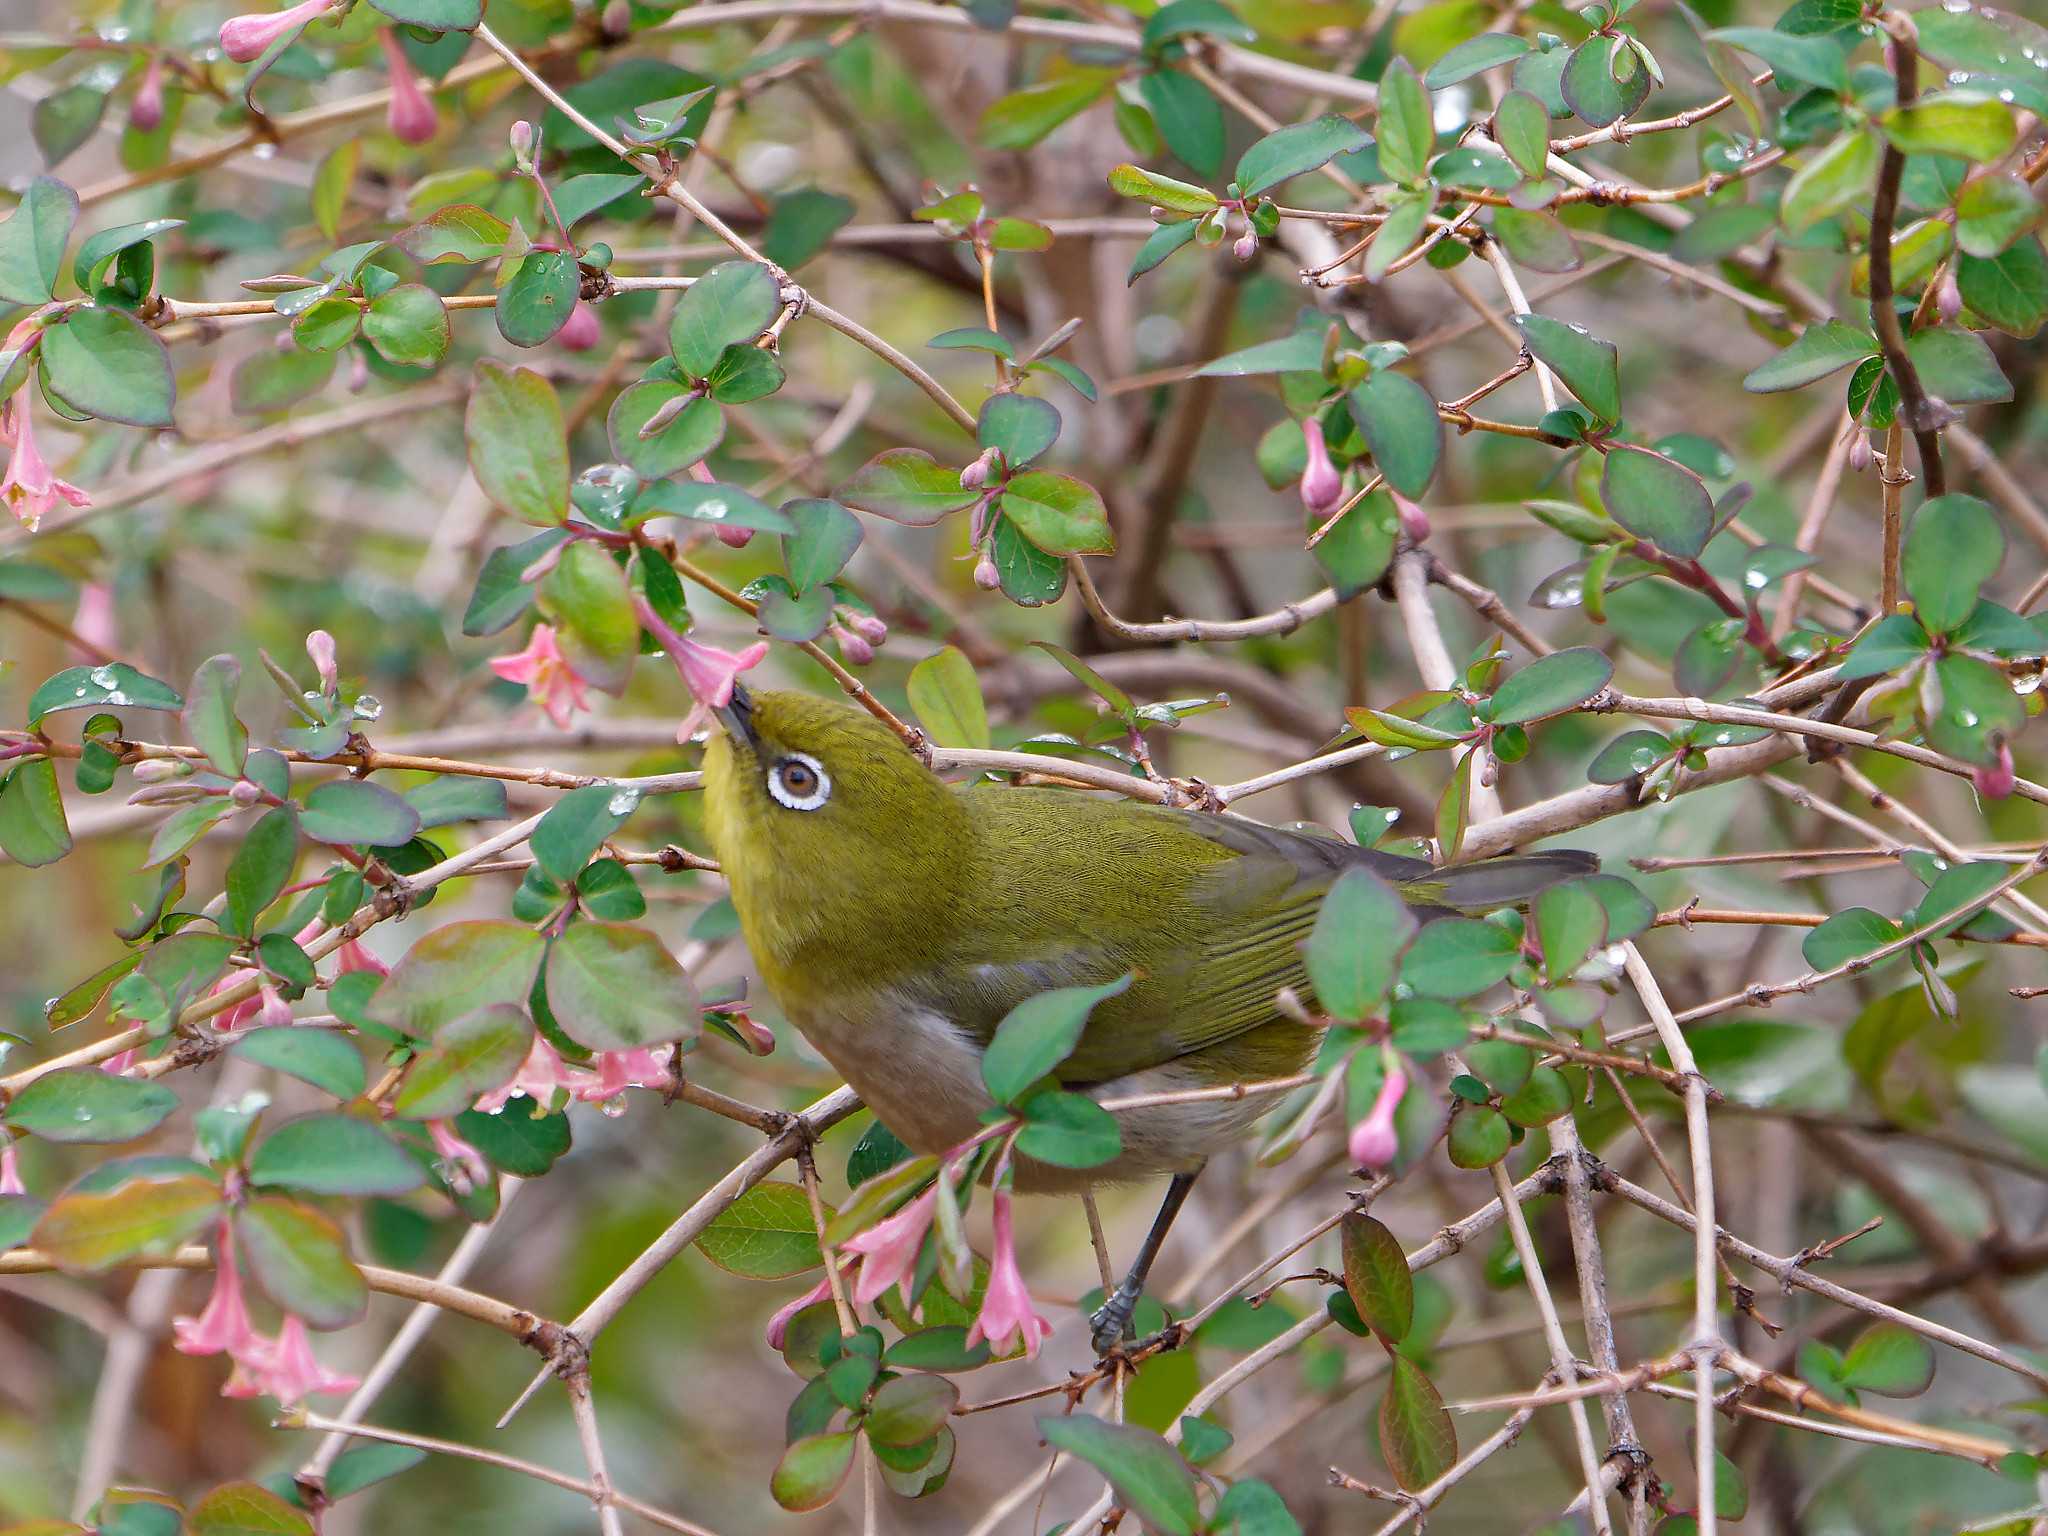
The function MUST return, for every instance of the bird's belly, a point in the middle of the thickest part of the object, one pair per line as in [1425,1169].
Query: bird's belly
[922,1078]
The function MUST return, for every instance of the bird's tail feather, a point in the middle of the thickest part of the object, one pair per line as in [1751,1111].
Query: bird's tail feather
[1509,881]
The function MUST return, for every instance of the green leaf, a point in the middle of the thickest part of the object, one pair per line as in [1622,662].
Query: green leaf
[1159,245]
[1658,499]
[1021,427]
[1068,1130]
[1401,426]
[813,1470]
[1953,546]
[1181,18]
[1837,178]
[946,694]
[260,868]
[906,486]
[354,812]
[434,15]
[1475,56]
[536,300]
[1550,685]
[766,1234]
[2009,290]
[84,1104]
[333,1154]
[32,241]
[1356,553]
[742,374]
[1358,936]
[825,538]
[1147,1475]
[1298,352]
[456,970]
[321,1057]
[1160,191]
[1589,367]
[500,596]
[458,232]
[300,1259]
[1030,577]
[1480,1136]
[1283,154]
[1604,79]
[1020,119]
[1994,211]
[580,196]
[106,363]
[1377,1277]
[518,449]
[687,435]
[1889,1360]
[327,325]
[470,1056]
[910,1409]
[1407,213]
[1535,240]
[245,1509]
[1417,1440]
[1407,132]
[516,1141]
[209,715]
[575,827]
[1543,1098]
[1455,957]
[1966,123]
[1846,935]
[1958,366]
[1571,923]
[802,224]
[33,829]
[613,987]
[96,1230]
[1190,118]
[586,595]
[269,380]
[451,798]
[114,685]
[731,304]
[1815,61]
[1820,350]
[1061,515]
[1038,1034]
[1521,126]
[974,338]
[365,1465]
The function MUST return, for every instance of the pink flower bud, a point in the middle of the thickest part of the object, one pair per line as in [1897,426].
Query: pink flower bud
[521,138]
[411,116]
[159,770]
[1374,1141]
[245,793]
[616,19]
[856,650]
[735,538]
[1246,246]
[986,575]
[146,111]
[868,627]
[580,332]
[1948,297]
[975,475]
[320,651]
[1859,453]
[243,38]
[1996,781]
[1414,521]
[1322,488]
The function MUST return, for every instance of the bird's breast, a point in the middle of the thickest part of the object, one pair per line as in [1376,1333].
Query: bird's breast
[914,1067]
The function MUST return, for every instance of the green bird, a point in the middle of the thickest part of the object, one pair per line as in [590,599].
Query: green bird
[897,919]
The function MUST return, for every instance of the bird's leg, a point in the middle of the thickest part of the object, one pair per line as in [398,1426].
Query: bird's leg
[1113,1319]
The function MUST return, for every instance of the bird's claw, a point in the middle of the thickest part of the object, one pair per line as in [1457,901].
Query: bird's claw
[1114,1322]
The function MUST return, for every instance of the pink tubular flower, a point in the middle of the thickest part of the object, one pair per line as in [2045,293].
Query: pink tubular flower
[410,116]
[1996,780]
[889,1249]
[352,956]
[1321,486]
[1374,1141]
[96,621]
[461,1164]
[147,109]
[1006,1309]
[10,1169]
[224,1324]
[610,1074]
[778,1325]
[580,332]
[243,38]
[28,487]
[553,683]
[707,672]
[290,1371]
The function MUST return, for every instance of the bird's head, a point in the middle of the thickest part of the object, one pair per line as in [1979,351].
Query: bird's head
[828,827]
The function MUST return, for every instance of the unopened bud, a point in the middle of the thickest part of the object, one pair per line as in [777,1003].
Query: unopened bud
[1322,487]
[735,538]
[244,793]
[146,111]
[159,770]
[1414,521]
[580,332]
[1948,297]
[868,627]
[1996,781]
[975,475]
[1246,246]
[616,20]
[1859,453]
[522,140]
[856,650]
[986,576]
[320,651]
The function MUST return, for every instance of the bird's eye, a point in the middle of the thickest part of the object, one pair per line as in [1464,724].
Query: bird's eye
[799,782]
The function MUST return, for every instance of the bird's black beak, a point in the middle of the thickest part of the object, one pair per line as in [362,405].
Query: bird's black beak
[737,716]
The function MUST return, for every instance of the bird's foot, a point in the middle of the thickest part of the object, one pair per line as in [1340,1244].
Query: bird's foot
[1114,1322]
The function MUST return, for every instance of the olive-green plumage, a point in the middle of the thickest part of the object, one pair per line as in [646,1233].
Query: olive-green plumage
[898,919]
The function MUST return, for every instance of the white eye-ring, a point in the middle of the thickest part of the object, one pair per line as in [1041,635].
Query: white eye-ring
[799,782]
